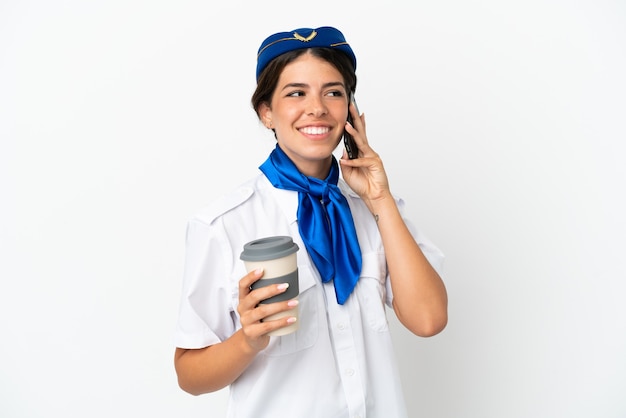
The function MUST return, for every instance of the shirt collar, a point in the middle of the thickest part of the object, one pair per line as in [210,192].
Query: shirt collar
[287,200]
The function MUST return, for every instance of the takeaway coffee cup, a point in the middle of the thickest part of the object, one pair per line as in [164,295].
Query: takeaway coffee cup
[277,256]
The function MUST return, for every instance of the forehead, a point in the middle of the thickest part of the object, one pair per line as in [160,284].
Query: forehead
[308,68]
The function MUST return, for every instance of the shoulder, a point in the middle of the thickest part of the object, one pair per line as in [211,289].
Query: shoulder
[229,201]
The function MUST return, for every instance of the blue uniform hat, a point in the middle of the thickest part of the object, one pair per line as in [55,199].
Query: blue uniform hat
[279,43]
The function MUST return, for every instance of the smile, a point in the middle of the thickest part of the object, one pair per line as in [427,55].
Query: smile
[314,130]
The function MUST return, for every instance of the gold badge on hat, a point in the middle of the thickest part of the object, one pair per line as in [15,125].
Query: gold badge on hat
[302,38]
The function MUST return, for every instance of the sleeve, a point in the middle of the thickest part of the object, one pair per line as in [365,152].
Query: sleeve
[206,309]
[433,254]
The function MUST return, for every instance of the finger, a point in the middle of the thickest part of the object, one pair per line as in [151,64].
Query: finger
[250,299]
[247,280]
[358,118]
[369,165]
[257,334]
[265,310]
[268,326]
[261,294]
[359,138]
[256,322]
[358,124]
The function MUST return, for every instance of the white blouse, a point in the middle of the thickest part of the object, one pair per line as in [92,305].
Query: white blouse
[340,361]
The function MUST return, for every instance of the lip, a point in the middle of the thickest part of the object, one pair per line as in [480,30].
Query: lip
[313,130]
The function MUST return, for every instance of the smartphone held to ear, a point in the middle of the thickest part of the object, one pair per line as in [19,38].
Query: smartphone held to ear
[351,149]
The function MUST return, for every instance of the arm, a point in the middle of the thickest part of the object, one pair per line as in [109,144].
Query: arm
[419,295]
[214,367]
[420,298]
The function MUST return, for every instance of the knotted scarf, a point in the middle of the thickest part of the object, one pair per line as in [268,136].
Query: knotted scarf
[324,221]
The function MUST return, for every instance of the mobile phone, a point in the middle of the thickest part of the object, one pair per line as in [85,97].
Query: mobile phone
[348,141]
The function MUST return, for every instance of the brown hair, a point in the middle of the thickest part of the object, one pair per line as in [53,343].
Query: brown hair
[268,79]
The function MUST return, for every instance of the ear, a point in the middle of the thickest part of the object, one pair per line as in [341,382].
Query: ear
[265,114]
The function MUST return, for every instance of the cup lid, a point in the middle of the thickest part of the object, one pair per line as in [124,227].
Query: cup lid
[268,248]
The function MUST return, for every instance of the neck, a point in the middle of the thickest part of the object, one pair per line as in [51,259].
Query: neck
[316,168]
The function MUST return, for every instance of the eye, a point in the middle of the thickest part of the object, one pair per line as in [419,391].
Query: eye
[335,93]
[296,93]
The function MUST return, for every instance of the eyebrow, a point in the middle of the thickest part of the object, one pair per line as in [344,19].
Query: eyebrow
[304,85]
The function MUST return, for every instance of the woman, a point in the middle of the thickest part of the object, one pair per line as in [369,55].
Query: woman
[357,253]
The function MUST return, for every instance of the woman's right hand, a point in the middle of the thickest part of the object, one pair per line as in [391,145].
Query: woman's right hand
[251,313]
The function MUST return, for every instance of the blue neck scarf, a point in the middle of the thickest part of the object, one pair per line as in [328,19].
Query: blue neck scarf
[324,220]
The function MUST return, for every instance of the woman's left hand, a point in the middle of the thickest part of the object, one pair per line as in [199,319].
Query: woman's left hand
[365,174]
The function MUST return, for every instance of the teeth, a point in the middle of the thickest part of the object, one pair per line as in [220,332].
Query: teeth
[314,130]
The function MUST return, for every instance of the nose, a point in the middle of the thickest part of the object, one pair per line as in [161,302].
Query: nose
[316,106]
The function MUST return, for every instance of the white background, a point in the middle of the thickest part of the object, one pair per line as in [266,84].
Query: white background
[502,124]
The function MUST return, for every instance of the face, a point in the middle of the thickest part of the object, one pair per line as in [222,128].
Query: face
[308,113]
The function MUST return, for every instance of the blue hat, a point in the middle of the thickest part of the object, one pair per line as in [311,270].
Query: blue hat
[279,43]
